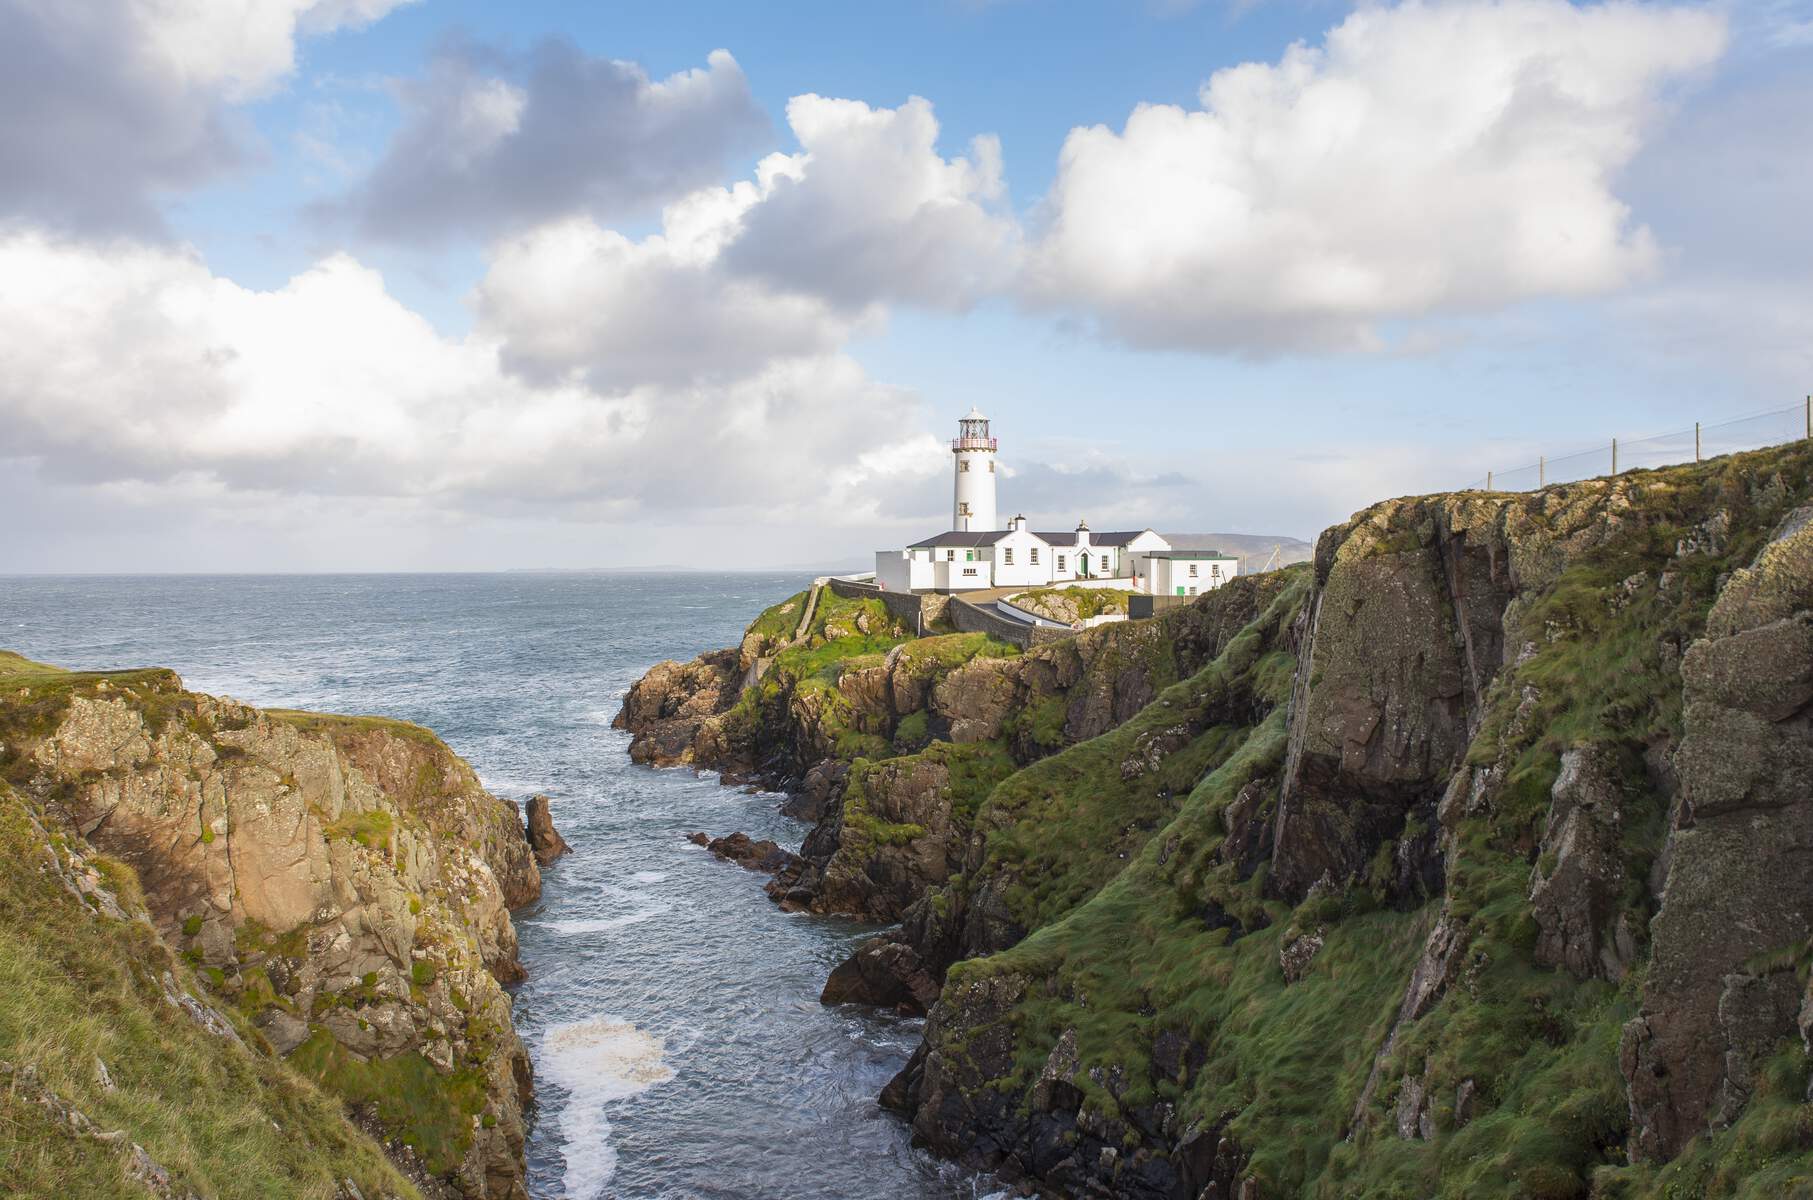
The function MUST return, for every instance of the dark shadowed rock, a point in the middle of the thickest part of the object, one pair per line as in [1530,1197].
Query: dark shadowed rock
[1740,876]
[544,839]
[765,856]
[1578,886]
[885,974]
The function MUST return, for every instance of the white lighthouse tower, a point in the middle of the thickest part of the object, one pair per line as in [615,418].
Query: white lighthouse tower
[973,509]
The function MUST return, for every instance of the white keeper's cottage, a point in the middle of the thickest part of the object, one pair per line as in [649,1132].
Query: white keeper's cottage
[979,552]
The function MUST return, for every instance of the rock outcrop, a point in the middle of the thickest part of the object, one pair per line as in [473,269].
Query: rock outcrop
[1471,861]
[123,1072]
[545,841]
[941,719]
[1724,987]
[345,883]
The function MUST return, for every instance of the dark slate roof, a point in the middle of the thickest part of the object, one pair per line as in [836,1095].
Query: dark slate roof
[1068,538]
[1198,554]
[968,539]
[960,538]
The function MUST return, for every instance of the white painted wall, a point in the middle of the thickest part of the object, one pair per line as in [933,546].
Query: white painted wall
[958,568]
[973,499]
[1021,557]
[1191,576]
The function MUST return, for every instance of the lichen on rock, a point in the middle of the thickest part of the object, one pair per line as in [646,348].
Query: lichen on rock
[345,882]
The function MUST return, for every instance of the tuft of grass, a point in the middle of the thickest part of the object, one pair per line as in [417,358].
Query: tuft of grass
[373,828]
[37,695]
[429,1112]
[335,725]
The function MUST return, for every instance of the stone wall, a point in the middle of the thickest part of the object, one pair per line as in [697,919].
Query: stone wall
[971,618]
[920,610]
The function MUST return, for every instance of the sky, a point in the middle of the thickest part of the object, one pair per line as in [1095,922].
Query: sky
[366,285]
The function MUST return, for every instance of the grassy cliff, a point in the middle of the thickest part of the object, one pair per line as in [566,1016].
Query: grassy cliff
[1441,978]
[327,896]
[1473,859]
[110,1083]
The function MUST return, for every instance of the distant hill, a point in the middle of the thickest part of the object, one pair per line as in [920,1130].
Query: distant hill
[1255,548]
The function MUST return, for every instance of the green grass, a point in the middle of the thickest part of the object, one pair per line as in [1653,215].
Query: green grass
[1137,958]
[374,828]
[429,1112]
[1064,826]
[1766,1155]
[778,621]
[333,724]
[1127,894]
[36,695]
[74,986]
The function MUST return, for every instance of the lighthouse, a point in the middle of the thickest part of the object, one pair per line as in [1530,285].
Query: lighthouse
[973,507]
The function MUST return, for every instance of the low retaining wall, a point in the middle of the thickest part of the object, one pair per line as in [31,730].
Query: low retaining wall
[852,589]
[1015,612]
[969,618]
[921,611]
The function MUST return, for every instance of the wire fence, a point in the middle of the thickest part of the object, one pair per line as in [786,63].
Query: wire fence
[1662,450]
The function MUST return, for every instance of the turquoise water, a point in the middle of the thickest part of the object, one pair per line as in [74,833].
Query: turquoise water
[672,1011]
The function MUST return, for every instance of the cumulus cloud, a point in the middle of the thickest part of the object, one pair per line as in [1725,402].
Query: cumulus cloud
[868,210]
[1425,158]
[493,142]
[788,264]
[130,363]
[572,299]
[111,103]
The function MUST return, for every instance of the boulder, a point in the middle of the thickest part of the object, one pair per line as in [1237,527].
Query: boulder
[544,839]
[882,973]
[765,856]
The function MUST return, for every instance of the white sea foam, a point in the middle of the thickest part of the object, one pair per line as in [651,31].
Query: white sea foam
[603,924]
[596,1062]
[650,876]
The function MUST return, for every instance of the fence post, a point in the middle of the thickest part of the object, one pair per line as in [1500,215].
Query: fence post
[1810,417]
[1542,470]
[1488,481]
[1696,441]
[1614,456]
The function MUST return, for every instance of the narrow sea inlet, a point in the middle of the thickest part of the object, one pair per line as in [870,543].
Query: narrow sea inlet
[672,1011]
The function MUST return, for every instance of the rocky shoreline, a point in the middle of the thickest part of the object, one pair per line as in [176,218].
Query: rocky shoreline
[1418,867]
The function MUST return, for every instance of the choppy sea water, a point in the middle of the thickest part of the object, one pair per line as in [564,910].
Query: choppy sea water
[672,1011]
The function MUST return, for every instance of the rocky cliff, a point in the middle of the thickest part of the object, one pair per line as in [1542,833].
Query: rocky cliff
[1470,860]
[342,885]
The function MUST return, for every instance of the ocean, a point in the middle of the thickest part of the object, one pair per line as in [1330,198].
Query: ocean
[671,1010]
